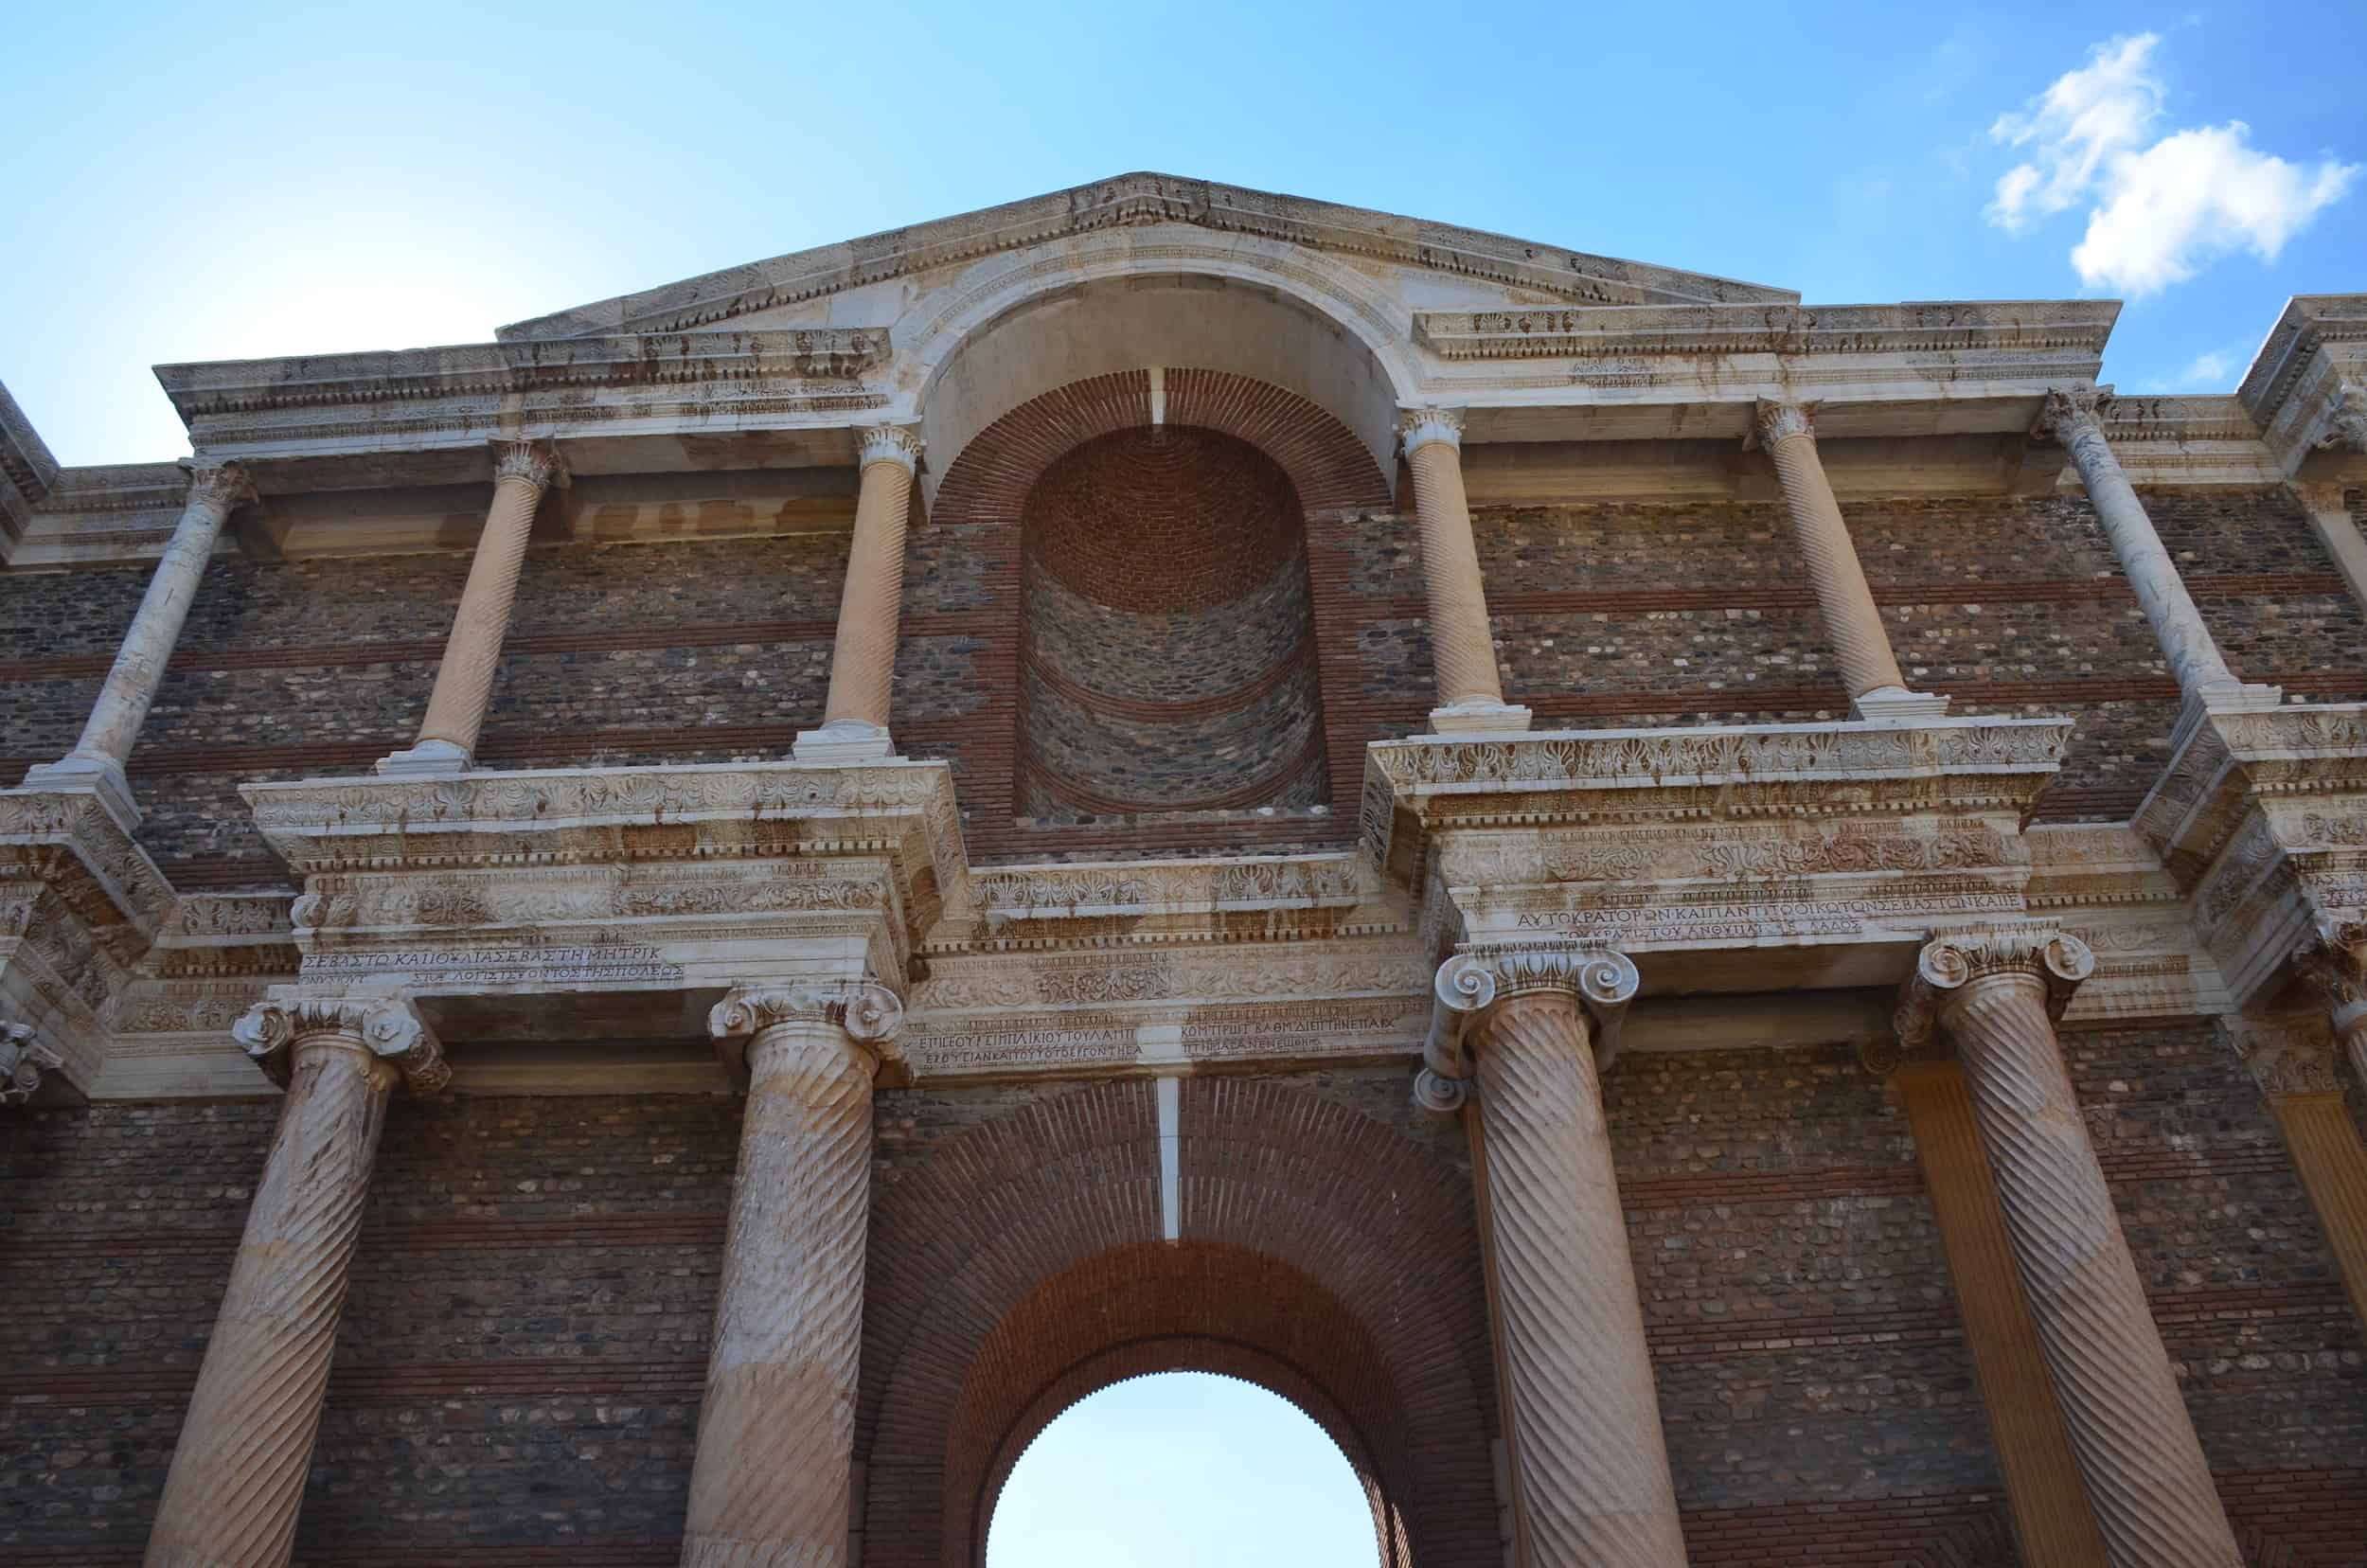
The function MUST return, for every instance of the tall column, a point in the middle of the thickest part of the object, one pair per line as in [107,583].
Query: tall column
[238,1473]
[1997,994]
[1589,1470]
[1868,667]
[2295,1064]
[2193,656]
[98,759]
[862,657]
[1462,645]
[2053,1522]
[770,1484]
[473,653]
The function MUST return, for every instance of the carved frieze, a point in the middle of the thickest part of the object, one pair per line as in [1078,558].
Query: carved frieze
[2287,1056]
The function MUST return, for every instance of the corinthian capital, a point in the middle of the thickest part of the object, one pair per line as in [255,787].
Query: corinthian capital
[23,1060]
[222,485]
[1949,964]
[896,444]
[387,1025]
[2072,411]
[2346,419]
[1419,427]
[868,1012]
[2287,1056]
[536,462]
[2334,964]
[1777,420]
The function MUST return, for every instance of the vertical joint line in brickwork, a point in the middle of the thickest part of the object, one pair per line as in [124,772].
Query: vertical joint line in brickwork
[1158,395]
[1170,1093]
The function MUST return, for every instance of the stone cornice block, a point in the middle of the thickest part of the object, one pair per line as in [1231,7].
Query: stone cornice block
[2076,327]
[2319,343]
[68,840]
[27,468]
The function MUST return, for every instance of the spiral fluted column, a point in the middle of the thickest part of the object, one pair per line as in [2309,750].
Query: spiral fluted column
[770,1484]
[1462,645]
[862,657]
[236,1480]
[1591,1481]
[1852,620]
[473,653]
[2071,415]
[113,727]
[1995,994]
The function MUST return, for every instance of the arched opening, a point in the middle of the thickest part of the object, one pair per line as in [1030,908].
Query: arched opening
[1175,1469]
[1166,657]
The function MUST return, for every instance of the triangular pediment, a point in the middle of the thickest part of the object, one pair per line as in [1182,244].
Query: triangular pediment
[1533,272]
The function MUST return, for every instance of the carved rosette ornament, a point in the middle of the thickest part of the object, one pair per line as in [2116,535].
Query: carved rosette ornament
[769,1481]
[238,1473]
[1997,994]
[23,1060]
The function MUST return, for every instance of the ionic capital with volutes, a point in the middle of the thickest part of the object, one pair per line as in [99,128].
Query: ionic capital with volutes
[1467,984]
[1952,970]
[384,1026]
[23,1060]
[1420,427]
[868,1015]
[897,444]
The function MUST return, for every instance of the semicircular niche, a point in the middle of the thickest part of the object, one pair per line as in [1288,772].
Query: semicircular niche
[1168,657]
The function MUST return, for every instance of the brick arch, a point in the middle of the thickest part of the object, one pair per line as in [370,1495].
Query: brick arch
[1017,808]
[1025,1378]
[1030,1244]
[988,481]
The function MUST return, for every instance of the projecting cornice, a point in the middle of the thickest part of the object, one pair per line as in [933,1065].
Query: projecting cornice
[2066,327]
[238,386]
[2295,388]
[26,470]
[1126,201]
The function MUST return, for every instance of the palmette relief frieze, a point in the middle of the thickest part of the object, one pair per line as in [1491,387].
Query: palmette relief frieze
[467,900]
[1732,851]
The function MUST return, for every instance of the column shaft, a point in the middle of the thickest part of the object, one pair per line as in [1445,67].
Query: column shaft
[2333,1168]
[238,1473]
[1591,1481]
[2051,1519]
[1462,645]
[2145,1471]
[770,1481]
[116,717]
[2193,656]
[473,653]
[862,658]
[1852,621]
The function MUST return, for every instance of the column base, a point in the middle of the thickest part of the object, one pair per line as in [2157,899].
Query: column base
[426,759]
[844,741]
[1896,704]
[1478,719]
[101,775]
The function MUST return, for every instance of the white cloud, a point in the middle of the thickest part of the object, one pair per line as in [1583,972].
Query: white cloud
[2160,205]
[2211,372]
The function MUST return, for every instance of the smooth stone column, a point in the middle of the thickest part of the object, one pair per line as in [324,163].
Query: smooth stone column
[472,653]
[238,1473]
[2053,1522]
[2193,656]
[98,759]
[770,1484]
[2294,1061]
[862,657]
[1462,645]
[1591,1483]
[1852,620]
[1997,994]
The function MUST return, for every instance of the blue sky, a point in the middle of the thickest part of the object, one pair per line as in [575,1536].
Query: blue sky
[1182,1470]
[236,181]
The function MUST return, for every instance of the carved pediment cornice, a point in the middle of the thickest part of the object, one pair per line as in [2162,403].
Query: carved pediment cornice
[2076,328]
[2297,386]
[27,468]
[1131,201]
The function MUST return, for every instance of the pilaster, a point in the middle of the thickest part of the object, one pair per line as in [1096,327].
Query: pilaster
[2298,1067]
